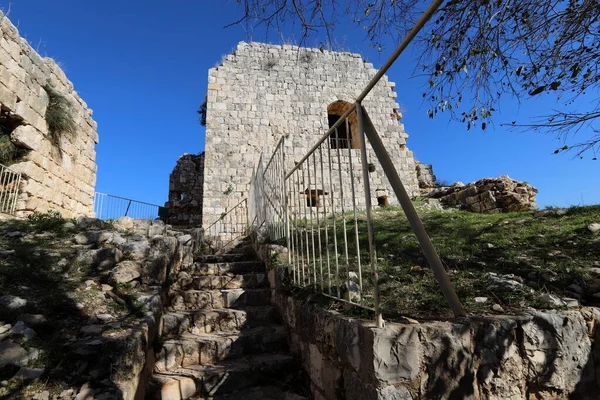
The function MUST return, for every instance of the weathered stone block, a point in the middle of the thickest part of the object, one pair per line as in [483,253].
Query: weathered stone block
[27,136]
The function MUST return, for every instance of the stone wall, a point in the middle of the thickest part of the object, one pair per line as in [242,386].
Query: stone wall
[186,191]
[538,355]
[60,174]
[262,92]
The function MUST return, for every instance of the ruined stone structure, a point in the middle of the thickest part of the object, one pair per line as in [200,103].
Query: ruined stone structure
[59,171]
[262,92]
[186,190]
[488,195]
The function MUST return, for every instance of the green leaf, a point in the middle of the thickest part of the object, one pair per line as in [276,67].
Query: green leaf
[537,90]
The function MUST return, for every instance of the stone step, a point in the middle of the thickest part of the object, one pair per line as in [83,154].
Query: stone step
[202,381]
[216,299]
[220,320]
[209,348]
[255,280]
[225,268]
[270,392]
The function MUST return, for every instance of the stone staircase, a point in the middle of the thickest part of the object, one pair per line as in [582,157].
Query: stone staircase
[222,338]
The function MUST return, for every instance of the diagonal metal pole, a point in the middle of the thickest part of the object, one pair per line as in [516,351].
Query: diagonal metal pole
[411,214]
[368,206]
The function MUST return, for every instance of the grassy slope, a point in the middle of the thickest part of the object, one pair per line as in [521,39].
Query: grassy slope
[545,254]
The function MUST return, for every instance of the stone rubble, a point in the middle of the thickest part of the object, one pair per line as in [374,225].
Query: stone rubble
[489,195]
[89,348]
[594,228]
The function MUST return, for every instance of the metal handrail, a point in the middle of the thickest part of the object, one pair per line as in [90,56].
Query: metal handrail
[303,252]
[108,206]
[229,227]
[10,182]
[222,217]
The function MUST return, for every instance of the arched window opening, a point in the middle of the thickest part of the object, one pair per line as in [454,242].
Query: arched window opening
[346,136]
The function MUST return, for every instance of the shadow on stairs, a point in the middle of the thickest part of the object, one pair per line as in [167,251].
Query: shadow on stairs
[221,336]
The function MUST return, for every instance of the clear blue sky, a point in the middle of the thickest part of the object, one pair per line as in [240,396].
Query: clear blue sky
[142,66]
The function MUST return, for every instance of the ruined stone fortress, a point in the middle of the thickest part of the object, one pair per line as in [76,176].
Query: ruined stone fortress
[58,171]
[262,92]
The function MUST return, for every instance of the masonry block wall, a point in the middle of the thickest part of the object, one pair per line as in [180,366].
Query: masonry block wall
[262,91]
[58,174]
[186,190]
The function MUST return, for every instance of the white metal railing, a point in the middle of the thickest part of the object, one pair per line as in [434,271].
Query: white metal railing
[230,226]
[317,207]
[10,182]
[107,206]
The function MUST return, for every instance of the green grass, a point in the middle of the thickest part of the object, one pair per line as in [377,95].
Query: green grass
[470,246]
[9,152]
[59,114]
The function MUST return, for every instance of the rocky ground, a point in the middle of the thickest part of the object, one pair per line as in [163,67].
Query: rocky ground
[76,303]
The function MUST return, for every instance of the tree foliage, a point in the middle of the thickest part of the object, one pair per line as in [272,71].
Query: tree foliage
[475,52]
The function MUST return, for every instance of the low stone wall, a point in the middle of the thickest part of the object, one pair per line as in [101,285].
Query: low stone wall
[539,355]
[59,172]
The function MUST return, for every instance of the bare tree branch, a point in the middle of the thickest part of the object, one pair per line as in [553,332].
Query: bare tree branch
[474,52]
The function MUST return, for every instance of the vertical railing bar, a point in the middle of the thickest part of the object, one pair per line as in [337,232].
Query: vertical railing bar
[301,243]
[318,222]
[14,207]
[3,184]
[335,245]
[312,228]
[3,192]
[370,223]
[306,229]
[344,220]
[292,250]
[356,234]
[325,221]
[9,191]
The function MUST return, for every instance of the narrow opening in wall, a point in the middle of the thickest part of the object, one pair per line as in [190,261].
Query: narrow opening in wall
[313,197]
[382,201]
[346,136]
[10,152]
[339,139]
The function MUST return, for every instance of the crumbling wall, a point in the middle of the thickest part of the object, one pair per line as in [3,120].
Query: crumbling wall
[186,191]
[59,170]
[262,92]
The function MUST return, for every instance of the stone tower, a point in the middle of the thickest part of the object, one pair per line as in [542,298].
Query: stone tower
[262,92]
